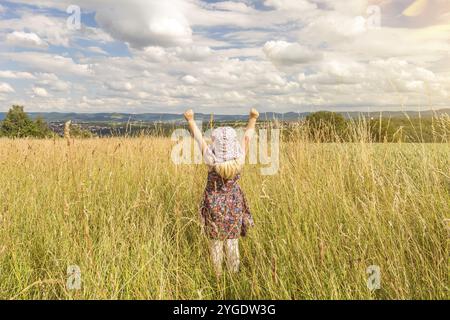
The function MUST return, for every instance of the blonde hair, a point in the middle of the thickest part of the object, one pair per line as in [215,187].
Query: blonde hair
[229,169]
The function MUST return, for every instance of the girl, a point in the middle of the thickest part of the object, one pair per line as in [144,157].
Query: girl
[224,209]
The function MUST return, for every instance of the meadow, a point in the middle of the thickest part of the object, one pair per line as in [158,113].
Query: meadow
[123,212]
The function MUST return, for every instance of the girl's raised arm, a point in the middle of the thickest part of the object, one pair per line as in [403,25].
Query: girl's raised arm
[250,130]
[195,131]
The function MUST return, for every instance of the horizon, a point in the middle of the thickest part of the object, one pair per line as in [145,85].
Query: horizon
[224,57]
[240,114]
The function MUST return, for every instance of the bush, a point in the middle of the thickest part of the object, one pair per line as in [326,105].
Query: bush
[326,126]
[78,132]
[17,124]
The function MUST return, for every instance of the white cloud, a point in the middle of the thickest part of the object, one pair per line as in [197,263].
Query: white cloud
[97,50]
[49,63]
[234,96]
[188,79]
[53,82]
[290,4]
[119,86]
[38,29]
[15,74]
[6,88]
[24,39]
[52,30]
[283,52]
[40,92]
[155,54]
[232,6]
[275,79]
[143,23]
[227,55]
[87,102]
[194,53]
[143,95]
[348,7]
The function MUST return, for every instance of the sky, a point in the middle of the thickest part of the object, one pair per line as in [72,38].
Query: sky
[224,57]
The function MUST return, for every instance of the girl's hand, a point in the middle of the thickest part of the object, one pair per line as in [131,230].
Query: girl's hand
[254,114]
[189,115]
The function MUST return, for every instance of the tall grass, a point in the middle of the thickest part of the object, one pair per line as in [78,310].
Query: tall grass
[128,217]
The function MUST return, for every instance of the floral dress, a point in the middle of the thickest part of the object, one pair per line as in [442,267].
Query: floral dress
[224,209]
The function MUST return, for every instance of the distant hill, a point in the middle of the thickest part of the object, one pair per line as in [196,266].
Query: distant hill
[167,117]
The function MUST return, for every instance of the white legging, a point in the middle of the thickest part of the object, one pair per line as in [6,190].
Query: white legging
[231,251]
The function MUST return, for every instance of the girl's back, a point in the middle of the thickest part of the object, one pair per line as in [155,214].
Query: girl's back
[224,209]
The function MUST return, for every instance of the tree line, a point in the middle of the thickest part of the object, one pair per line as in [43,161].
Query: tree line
[17,124]
[322,126]
[327,126]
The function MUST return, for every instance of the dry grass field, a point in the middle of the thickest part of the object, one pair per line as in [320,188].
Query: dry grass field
[128,217]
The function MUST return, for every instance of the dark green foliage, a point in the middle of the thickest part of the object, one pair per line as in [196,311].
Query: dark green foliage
[326,126]
[332,127]
[41,129]
[17,124]
[77,132]
[410,130]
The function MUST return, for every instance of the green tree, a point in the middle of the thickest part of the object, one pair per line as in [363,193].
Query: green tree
[77,132]
[17,124]
[325,126]
[41,129]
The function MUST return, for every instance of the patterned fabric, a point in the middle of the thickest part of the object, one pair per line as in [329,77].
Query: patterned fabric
[225,146]
[224,209]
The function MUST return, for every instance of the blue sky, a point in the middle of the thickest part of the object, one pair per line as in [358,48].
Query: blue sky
[225,56]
